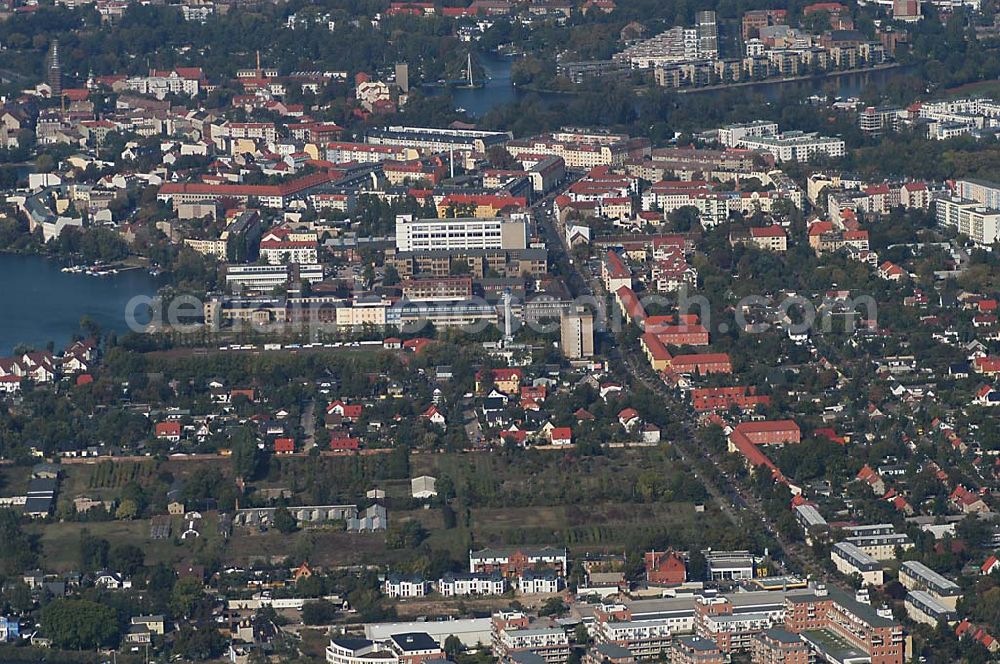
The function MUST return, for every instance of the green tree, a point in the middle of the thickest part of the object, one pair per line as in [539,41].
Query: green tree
[284,521]
[127,510]
[199,644]
[79,624]
[453,647]
[93,552]
[553,606]
[247,456]
[320,612]
[126,559]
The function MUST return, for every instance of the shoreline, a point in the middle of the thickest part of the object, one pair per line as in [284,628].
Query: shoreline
[792,79]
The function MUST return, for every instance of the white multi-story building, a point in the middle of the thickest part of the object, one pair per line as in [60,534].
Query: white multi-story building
[281,246]
[882,547]
[796,146]
[733,135]
[406,586]
[645,639]
[460,234]
[981,191]
[980,223]
[538,583]
[550,643]
[181,81]
[459,585]
[363,153]
[268,277]
[436,140]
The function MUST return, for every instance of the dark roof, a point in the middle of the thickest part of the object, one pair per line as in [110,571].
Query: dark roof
[39,505]
[782,635]
[613,650]
[351,644]
[410,641]
[526,657]
[42,485]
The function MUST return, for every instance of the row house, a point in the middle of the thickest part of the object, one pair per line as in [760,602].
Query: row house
[477,584]
[515,562]
[397,586]
[39,367]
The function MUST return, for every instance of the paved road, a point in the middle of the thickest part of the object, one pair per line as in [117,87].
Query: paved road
[309,425]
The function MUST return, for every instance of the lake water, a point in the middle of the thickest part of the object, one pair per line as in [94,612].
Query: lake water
[499,89]
[45,304]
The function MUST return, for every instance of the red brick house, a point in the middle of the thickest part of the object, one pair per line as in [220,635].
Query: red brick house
[665,568]
[169,431]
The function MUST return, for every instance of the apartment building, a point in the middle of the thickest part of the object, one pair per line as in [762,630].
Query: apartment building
[696,650]
[715,620]
[430,140]
[582,149]
[768,238]
[812,522]
[440,289]
[576,333]
[850,560]
[460,234]
[363,153]
[779,646]
[513,633]
[271,196]
[881,546]
[981,191]
[733,136]
[186,81]
[414,648]
[922,607]
[914,575]
[796,146]
[614,272]
[828,618]
[979,223]
[282,245]
[480,262]
[646,640]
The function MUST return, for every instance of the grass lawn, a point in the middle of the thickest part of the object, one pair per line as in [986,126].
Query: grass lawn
[60,542]
[977,89]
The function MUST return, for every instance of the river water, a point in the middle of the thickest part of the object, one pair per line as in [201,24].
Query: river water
[499,89]
[45,304]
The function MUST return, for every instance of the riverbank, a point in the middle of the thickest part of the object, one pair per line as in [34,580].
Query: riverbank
[806,78]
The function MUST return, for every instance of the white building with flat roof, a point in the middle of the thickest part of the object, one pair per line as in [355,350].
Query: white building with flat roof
[970,218]
[796,145]
[460,234]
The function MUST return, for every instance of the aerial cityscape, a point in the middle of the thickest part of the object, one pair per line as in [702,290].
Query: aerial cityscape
[511,332]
